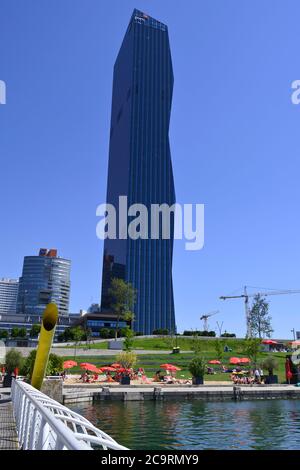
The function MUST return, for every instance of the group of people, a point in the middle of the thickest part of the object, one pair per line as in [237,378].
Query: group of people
[111,377]
[248,377]
[168,378]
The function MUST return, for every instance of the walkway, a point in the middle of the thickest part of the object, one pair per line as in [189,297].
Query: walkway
[93,352]
[8,431]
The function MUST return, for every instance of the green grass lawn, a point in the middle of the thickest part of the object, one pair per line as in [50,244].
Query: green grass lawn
[151,363]
[165,343]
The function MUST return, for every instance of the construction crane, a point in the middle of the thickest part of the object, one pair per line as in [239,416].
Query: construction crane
[262,294]
[205,318]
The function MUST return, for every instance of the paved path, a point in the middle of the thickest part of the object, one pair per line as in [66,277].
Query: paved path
[91,352]
[8,431]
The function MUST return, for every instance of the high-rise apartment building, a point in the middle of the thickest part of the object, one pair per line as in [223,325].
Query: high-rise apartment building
[140,168]
[45,278]
[8,296]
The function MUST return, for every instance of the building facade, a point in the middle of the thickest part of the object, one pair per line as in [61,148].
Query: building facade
[140,168]
[9,322]
[45,278]
[8,296]
[97,321]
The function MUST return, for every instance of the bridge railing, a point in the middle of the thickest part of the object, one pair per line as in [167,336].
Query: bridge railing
[44,424]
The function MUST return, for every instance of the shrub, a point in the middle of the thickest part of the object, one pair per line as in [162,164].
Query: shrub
[128,342]
[197,366]
[160,331]
[228,335]
[199,333]
[54,366]
[127,359]
[271,364]
[13,360]
[35,331]
[104,333]
[3,334]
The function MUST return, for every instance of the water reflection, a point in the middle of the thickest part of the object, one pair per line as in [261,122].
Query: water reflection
[265,424]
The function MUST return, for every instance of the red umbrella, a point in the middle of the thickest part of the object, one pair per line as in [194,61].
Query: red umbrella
[169,367]
[90,367]
[108,369]
[116,365]
[214,361]
[244,360]
[234,360]
[269,341]
[69,364]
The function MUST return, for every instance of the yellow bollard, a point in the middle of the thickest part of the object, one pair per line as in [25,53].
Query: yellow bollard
[50,317]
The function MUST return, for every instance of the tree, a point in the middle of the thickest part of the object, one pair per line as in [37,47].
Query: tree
[128,342]
[14,332]
[196,343]
[219,349]
[260,320]
[35,331]
[13,360]
[123,297]
[77,335]
[3,334]
[252,348]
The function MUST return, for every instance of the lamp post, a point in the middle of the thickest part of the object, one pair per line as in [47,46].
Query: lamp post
[294,334]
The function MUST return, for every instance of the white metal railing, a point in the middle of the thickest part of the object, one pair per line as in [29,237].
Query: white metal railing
[45,424]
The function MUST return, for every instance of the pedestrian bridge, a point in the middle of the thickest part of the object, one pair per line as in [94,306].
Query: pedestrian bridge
[44,424]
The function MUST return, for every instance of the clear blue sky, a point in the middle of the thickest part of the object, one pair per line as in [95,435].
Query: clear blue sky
[234,141]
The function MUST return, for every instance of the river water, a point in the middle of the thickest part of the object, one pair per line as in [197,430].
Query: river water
[196,425]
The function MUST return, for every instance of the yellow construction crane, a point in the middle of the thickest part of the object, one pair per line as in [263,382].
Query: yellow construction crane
[262,294]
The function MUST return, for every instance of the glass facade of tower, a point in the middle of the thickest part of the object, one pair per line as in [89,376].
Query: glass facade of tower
[140,168]
[45,278]
[8,296]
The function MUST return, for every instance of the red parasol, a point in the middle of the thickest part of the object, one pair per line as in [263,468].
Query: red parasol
[245,360]
[108,369]
[69,364]
[169,367]
[116,365]
[234,360]
[269,341]
[214,361]
[90,367]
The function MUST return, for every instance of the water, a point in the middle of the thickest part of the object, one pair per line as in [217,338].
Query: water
[196,425]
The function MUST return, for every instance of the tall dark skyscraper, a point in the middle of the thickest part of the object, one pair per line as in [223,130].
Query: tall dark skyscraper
[140,168]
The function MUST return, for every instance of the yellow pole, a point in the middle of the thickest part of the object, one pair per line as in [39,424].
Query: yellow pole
[49,321]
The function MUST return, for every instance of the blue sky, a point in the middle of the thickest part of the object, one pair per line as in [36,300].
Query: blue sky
[234,140]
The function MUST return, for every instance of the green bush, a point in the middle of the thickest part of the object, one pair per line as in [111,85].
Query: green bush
[104,333]
[54,366]
[13,360]
[127,359]
[160,331]
[271,364]
[199,333]
[197,366]
[3,334]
